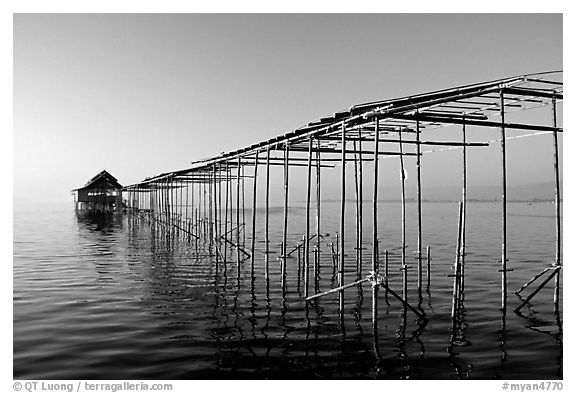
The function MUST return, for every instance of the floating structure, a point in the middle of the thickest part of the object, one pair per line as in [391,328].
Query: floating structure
[101,194]
[205,203]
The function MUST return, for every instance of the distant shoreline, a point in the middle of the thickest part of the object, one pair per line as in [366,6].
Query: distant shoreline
[473,200]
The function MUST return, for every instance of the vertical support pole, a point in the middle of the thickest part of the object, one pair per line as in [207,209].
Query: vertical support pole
[504,200]
[307,239]
[186,209]
[171,204]
[180,203]
[243,206]
[285,232]
[161,204]
[318,234]
[254,192]
[375,227]
[557,259]
[428,265]
[215,215]
[210,207]
[386,268]
[342,214]
[267,217]
[226,213]
[403,227]
[219,234]
[361,206]
[167,202]
[201,212]
[357,204]
[464,203]
[419,204]
[151,200]
[457,268]
[160,198]
[192,210]
[238,172]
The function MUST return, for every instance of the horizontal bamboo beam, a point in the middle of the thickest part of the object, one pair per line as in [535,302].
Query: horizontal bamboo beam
[532,92]
[339,151]
[480,123]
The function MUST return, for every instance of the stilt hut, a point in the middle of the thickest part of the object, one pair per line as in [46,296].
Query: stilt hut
[101,194]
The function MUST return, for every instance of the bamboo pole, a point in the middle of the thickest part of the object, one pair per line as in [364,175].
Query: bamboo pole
[167,200]
[254,192]
[299,266]
[339,289]
[205,200]
[557,260]
[192,210]
[357,206]
[542,285]
[285,227]
[504,269]
[456,288]
[227,190]
[199,212]
[318,233]
[375,228]
[428,265]
[180,204]
[238,173]
[419,205]
[342,217]
[403,226]
[215,207]
[266,218]
[464,205]
[210,215]
[536,277]
[376,283]
[186,209]
[307,241]
[219,221]
[243,207]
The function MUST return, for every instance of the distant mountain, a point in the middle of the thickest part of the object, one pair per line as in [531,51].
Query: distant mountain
[524,192]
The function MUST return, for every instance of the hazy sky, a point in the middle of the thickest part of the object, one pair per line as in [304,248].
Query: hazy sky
[143,94]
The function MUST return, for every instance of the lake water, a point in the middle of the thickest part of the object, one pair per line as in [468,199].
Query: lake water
[118,299]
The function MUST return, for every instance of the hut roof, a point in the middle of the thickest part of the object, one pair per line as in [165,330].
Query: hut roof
[102,180]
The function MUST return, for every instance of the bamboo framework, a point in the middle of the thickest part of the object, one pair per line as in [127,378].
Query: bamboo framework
[206,201]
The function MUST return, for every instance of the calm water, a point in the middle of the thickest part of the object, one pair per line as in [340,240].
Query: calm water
[115,299]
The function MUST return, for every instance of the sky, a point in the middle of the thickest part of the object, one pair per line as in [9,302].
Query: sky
[142,94]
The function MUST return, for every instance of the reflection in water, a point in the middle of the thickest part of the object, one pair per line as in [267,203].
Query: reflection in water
[502,337]
[134,299]
[457,342]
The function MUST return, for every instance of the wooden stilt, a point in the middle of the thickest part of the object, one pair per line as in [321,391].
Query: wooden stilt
[285,232]
[375,227]
[238,174]
[254,192]
[318,233]
[225,235]
[419,205]
[342,216]
[456,289]
[504,269]
[464,205]
[428,265]
[307,236]
[558,208]
[266,219]
[403,225]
